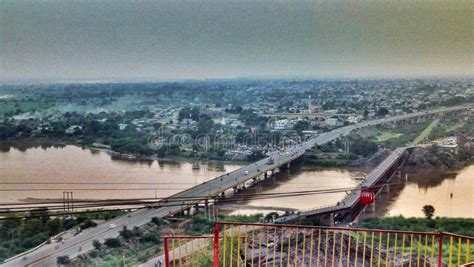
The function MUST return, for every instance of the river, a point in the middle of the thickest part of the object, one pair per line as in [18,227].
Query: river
[45,171]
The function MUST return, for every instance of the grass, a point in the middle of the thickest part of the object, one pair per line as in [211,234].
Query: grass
[426,132]
[387,136]
[11,105]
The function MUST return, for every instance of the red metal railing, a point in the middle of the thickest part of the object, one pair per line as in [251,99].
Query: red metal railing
[185,250]
[256,244]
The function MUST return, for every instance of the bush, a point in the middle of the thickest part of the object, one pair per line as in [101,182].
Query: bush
[94,254]
[150,238]
[97,245]
[125,233]
[112,243]
[63,260]
[88,223]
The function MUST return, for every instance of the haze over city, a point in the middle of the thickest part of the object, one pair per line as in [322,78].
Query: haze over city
[161,40]
[236,133]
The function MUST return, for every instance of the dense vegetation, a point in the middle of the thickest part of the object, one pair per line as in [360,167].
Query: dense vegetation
[462,226]
[18,235]
[202,225]
[130,248]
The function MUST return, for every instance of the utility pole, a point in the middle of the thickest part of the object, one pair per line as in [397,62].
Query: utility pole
[72,202]
[68,199]
[64,201]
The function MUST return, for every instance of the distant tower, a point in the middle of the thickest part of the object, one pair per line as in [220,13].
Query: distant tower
[310,105]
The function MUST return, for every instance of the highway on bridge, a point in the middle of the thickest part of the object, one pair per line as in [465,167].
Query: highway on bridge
[46,255]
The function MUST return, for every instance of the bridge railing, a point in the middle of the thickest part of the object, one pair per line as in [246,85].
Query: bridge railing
[188,250]
[237,244]
[254,244]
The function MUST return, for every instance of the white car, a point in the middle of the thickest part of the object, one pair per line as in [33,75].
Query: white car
[246,172]
[111,226]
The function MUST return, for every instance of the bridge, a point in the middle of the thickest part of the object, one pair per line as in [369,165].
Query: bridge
[311,115]
[349,208]
[209,191]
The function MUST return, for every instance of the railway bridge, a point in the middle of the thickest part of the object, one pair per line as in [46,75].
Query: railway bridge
[349,208]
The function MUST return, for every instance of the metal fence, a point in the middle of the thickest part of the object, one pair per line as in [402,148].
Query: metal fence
[237,244]
[188,250]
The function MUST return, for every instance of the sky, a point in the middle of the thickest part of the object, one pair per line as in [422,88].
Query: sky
[164,40]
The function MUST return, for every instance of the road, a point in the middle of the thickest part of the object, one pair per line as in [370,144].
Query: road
[47,254]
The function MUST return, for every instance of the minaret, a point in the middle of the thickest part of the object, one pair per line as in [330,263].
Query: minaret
[310,106]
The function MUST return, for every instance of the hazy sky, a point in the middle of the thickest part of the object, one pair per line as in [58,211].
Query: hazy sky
[70,40]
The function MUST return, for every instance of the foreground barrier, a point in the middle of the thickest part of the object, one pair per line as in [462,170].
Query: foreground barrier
[237,244]
[187,250]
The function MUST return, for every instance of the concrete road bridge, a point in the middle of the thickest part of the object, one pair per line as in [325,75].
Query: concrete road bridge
[209,191]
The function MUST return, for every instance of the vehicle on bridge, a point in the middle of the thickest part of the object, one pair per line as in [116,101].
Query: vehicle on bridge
[270,161]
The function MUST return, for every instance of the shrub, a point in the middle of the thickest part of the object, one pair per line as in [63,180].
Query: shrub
[94,254]
[125,233]
[88,223]
[112,243]
[63,260]
[97,245]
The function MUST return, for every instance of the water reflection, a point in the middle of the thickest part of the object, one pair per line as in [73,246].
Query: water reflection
[63,165]
[450,193]
[300,178]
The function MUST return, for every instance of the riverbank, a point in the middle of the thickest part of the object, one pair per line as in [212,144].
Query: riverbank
[461,226]
[25,144]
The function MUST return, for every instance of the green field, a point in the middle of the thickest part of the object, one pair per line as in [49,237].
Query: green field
[426,132]
[384,136]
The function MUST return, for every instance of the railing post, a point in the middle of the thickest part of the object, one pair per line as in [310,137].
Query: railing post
[216,245]
[440,249]
[167,256]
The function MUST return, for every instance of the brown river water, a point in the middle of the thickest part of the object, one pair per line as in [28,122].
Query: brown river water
[44,171]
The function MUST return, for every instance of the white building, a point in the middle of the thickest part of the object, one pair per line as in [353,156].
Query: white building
[283,125]
[332,122]
[73,129]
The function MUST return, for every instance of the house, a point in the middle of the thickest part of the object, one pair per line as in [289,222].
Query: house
[283,125]
[123,126]
[73,129]
[331,122]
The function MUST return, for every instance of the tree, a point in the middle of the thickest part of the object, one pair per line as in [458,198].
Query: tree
[96,243]
[382,112]
[112,243]
[301,126]
[126,233]
[429,211]
[63,260]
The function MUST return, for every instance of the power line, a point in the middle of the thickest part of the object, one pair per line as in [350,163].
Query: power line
[88,183]
[184,201]
[165,204]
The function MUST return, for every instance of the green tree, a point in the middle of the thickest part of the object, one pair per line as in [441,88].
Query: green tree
[126,233]
[112,243]
[96,243]
[63,260]
[429,211]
